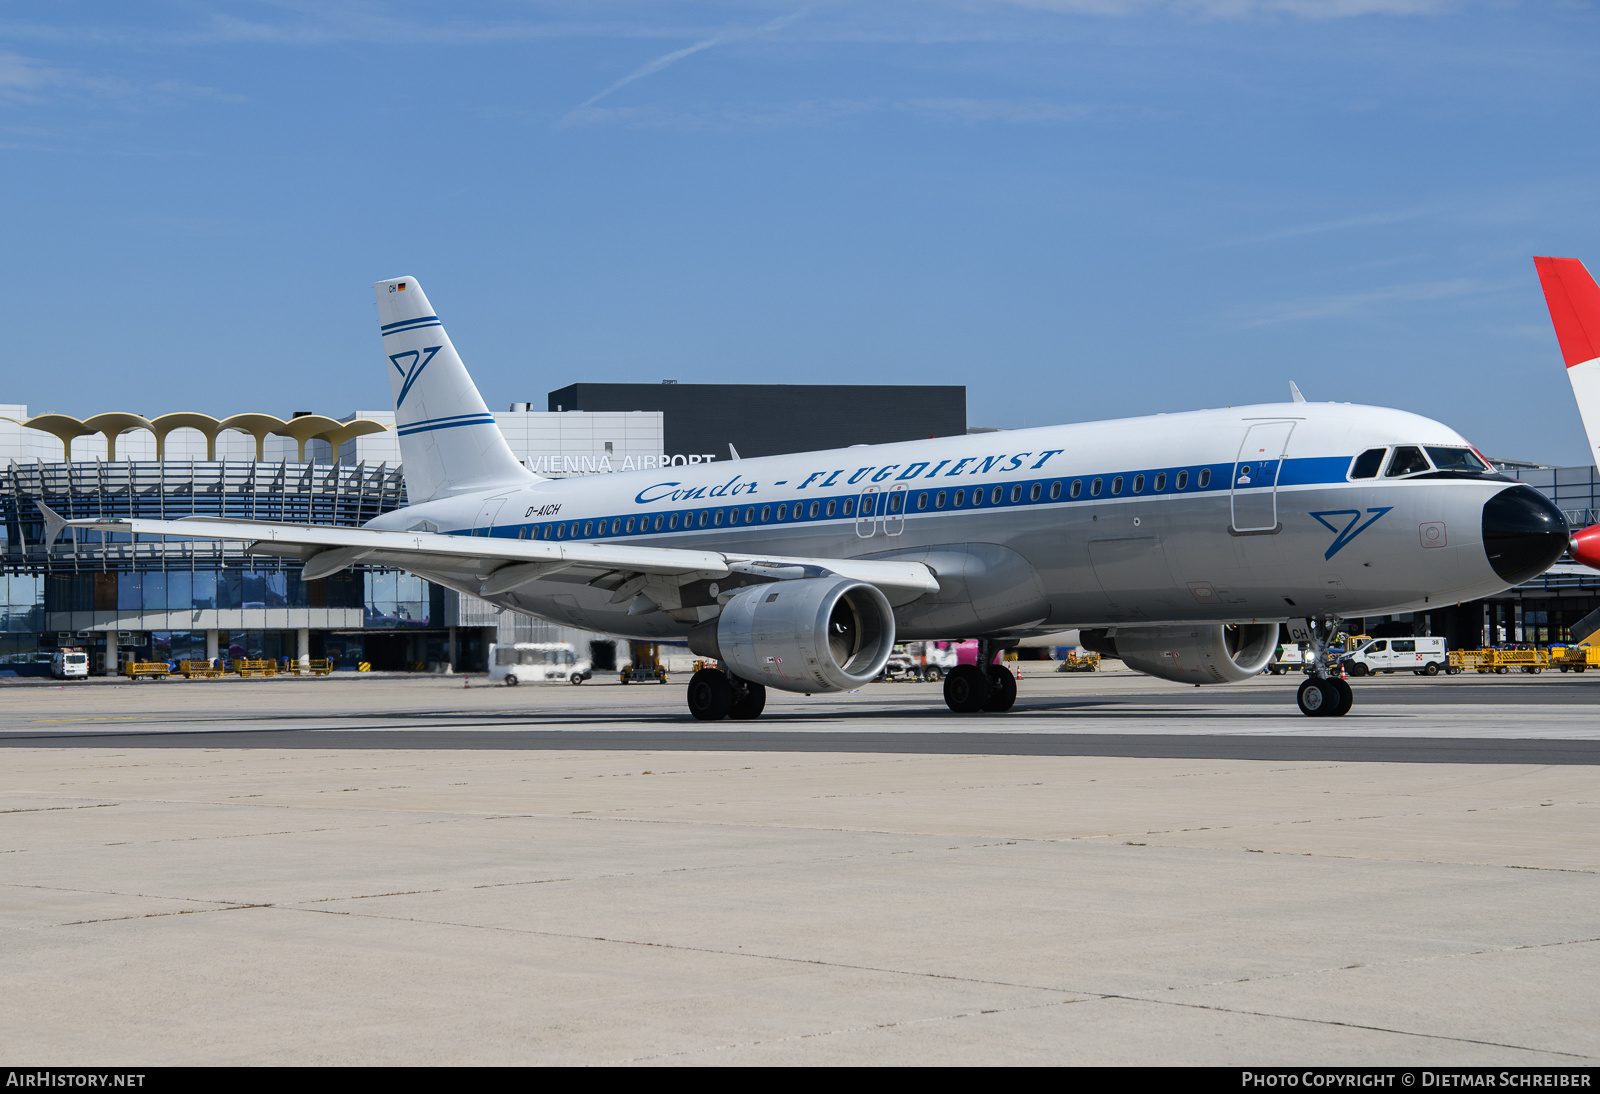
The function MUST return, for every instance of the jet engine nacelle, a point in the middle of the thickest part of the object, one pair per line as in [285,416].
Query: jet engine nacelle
[808,635]
[1201,654]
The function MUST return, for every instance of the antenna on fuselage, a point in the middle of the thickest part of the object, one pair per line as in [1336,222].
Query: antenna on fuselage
[1294,393]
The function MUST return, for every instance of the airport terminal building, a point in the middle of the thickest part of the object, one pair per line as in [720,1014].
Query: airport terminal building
[119,597]
[157,598]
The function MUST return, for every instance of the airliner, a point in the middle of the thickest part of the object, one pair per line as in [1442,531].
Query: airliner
[1574,302]
[1178,543]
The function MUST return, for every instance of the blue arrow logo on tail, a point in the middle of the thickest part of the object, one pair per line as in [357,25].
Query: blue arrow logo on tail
[412,369]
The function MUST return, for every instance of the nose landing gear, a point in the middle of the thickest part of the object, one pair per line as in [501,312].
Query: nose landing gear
[1324,694]
[1330,697]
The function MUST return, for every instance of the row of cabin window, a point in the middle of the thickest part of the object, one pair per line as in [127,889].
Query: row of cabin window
[895,502]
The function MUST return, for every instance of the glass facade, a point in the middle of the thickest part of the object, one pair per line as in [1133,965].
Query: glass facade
[200,590]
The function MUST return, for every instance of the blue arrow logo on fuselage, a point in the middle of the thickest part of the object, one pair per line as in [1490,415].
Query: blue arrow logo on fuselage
[1351,528]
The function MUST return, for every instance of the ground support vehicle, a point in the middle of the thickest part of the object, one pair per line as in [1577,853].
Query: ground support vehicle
[316,666]
[1472,660]
[644,664]
[1424,656]
[1531,661]
[913,661]
[264,667]
[537,663]
[1574,658]
[190,669]
[1079,662]
[1289,659]
[70,663]
[146,670]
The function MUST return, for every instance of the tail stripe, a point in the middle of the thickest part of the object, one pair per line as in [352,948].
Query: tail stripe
[429,424]
[411,324]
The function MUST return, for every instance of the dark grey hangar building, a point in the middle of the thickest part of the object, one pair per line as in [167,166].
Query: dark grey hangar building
[774,419]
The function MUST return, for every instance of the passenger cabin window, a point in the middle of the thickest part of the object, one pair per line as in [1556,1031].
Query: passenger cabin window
[1094,489]
[1077,487]
[1407,460]
[922,500]
[1457,459]
[1034,491]
[1161,482]
[1138,484]
[1366,465]
[1183,479]
[938,500]
[849,506]
[1205,477]
[1055,491]
[960,498]
[1116,485]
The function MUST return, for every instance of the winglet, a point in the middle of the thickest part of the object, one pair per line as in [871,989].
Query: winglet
[1294,393]
[1574,302]
[53,523]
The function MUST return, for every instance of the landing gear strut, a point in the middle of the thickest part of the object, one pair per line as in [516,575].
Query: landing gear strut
[1324,694]
[714,695]
[985,686]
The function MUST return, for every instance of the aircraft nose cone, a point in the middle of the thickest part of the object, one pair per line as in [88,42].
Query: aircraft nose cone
[1523,533]
[1586,546]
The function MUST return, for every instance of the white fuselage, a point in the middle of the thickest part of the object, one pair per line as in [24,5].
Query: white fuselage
[1020,538]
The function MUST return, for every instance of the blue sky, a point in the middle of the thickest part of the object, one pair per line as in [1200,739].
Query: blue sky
[1080,210]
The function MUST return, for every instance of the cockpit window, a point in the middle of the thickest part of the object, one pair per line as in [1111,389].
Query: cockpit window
[1457,459]
[1407,460]
[1366,465]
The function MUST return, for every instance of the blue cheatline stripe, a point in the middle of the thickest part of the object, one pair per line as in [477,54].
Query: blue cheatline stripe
[1312,471]
[441,423]
[403,322]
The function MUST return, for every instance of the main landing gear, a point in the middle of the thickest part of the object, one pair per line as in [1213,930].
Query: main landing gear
[969,689]
[714,695]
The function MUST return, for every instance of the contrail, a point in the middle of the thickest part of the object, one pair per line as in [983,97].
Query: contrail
[651,67]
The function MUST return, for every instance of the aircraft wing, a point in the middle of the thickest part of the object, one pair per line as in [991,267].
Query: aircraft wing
[504,564]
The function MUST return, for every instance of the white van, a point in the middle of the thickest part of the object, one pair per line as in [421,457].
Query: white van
[538,663]
[1423,656]
[69,663]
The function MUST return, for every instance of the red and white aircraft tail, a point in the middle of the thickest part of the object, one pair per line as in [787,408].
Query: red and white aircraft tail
[1574,301]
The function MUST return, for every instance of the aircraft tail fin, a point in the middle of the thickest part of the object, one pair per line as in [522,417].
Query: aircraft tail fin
[449,442]
[1574,302]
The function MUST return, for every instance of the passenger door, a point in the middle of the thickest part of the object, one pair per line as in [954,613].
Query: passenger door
[483,523]
[1255,476]
[894,510]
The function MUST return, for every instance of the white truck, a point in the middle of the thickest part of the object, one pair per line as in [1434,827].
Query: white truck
[1421,656]
[69,663]
[537,663]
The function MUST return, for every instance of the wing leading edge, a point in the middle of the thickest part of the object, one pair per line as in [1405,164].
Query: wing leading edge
[506,564]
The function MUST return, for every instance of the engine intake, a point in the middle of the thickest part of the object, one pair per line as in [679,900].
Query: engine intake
[808,635]
[1217,653]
